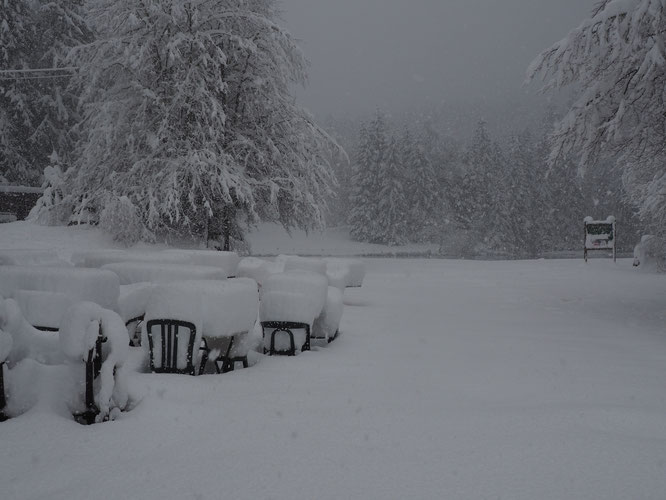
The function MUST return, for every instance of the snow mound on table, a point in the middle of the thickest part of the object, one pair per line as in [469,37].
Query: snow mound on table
[99,258]
[27,341]
[134,299]
[295,262]
[79,331]
[352,269]
[227,307]
[258,269]
[31,257]
[43,308]
[158,272]
[328,322]
[311,286]
[96,285]
[226,261]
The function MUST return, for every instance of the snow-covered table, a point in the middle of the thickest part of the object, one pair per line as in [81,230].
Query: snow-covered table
[221,314]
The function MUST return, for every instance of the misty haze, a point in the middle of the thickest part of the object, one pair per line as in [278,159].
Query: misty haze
[299,249]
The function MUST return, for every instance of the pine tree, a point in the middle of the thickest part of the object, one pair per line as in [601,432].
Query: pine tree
[187,116]
[393,217]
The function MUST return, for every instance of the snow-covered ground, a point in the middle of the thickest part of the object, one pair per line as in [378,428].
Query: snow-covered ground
[452,379]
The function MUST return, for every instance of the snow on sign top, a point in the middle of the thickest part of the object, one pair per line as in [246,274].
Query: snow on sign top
[599,234]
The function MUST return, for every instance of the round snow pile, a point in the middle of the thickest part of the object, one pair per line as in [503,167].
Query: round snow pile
[328,322]
[79,331]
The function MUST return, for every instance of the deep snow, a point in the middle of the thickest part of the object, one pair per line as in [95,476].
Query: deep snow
[452,379]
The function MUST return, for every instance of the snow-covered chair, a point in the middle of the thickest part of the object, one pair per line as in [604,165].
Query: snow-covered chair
[86,327]
[290,303]
[172,326]
[326,326]
[5,348]
[132,304]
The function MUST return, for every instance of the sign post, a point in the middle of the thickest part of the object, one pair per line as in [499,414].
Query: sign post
[600,235]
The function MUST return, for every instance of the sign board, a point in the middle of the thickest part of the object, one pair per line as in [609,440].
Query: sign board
[600,235]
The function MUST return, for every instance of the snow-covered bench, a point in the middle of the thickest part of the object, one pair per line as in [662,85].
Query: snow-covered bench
[97,337]
[159,273]
[290,303]
[183,316]
[44,293]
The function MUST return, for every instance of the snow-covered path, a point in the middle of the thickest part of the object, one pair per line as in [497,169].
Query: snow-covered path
[452,379]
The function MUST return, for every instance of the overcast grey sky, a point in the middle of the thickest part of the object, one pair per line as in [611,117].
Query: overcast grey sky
[396,54]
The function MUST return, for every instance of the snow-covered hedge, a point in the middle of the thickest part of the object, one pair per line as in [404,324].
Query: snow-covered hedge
[295,262]
[99,258]
[95,285]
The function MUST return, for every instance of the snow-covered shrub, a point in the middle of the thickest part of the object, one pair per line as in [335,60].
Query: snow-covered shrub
[121,219]
[79,331]
[650,253]
[53,208]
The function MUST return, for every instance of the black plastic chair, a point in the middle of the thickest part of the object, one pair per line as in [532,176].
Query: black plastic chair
[224,362]
[93,366]
[170,330]
[3,399]
[277,327]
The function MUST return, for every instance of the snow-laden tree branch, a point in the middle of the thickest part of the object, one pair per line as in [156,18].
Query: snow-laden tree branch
[617,60]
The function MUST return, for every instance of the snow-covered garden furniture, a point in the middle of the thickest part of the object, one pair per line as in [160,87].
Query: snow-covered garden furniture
[5,348]
[31,257]
[132,307]
[43,310]
[258,269]
[99,258]
[97,336]
[290,303]
[600,235]
[226,261]
[95,285]
[352,271]
[210,318]
[159,272]
[326,326]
